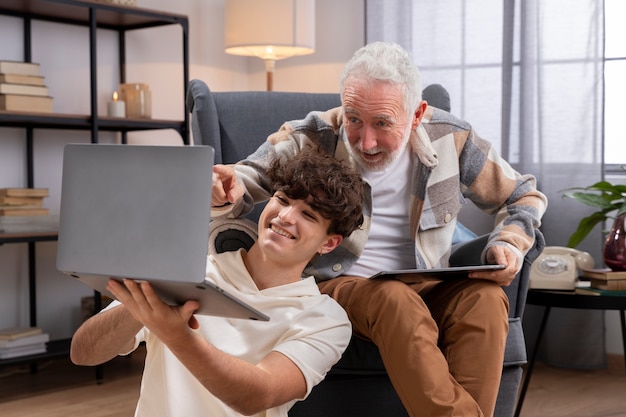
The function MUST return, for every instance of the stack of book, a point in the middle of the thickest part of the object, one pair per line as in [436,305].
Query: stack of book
[603,282]
[22,88]
[23,201]
[22,341]
[22,211]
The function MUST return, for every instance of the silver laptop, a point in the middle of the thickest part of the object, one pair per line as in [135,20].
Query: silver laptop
[142,212]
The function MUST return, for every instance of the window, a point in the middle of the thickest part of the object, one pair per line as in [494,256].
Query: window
[614,85]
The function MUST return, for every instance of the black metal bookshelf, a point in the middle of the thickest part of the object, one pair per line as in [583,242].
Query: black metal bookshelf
[93,15]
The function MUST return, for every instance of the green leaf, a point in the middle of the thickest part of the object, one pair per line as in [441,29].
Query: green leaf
[593,200]
[609,188]
[585,226]
[606,197]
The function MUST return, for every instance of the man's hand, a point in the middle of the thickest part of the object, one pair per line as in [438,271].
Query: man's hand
[499,255]
[165,321]
[226,188]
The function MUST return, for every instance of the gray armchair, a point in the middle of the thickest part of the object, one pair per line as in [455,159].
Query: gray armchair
[235,124]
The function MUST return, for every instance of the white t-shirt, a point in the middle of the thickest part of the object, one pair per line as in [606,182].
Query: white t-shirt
[389,244]
[309,328]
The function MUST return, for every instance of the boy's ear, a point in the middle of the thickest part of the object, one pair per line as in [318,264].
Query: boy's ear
[331,243]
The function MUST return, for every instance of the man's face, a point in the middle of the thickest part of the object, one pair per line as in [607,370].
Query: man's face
[377,125]
[291,231]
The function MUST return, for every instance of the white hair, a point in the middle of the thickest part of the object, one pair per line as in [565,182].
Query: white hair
[387,62]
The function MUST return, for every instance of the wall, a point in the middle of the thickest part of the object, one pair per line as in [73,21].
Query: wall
[154,57]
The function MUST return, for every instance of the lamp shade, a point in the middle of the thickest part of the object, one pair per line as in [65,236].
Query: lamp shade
[270,29]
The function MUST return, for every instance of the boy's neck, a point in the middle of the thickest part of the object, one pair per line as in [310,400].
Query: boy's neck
[268,273]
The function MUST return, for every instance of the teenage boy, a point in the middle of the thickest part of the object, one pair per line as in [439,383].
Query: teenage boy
[213,366]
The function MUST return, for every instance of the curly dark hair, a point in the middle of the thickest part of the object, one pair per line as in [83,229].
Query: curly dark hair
[335,187]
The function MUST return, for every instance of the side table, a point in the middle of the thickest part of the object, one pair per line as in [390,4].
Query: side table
[566,299]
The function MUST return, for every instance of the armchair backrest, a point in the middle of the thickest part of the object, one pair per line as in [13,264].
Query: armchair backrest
[235,124]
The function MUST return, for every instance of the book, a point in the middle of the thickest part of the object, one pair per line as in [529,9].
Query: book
[24,341]
[29,224]
[19,67]
[614,284]
[12,333]
[598,292]
[23,211]
[24,192]
[24,103]
[22,79]
[16,352]
[603,274]
[21,201]
[29,90]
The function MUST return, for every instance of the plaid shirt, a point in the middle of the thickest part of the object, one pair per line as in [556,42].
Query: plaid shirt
[453,164]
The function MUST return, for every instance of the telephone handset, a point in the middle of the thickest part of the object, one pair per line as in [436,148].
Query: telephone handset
[557,268]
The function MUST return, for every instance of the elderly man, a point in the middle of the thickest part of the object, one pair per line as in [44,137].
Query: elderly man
[442,342]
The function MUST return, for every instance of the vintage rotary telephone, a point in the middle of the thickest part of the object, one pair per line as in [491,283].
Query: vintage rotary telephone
[557,268]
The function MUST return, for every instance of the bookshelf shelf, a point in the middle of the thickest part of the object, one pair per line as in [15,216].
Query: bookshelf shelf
[84,122]
[77,12]
[25,237]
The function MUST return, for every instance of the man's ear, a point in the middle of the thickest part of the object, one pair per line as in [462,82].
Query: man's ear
[418,114]
[331,243]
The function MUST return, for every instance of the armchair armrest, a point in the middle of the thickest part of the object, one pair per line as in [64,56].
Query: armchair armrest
[468,252]
[231,234]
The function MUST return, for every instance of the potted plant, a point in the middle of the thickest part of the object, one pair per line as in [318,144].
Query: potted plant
[610,199]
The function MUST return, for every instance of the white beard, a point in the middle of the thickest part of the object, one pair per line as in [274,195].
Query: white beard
[389,158]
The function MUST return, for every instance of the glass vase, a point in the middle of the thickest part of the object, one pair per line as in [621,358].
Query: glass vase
[614,251]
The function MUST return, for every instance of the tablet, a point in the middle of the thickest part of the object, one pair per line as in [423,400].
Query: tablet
[439,273]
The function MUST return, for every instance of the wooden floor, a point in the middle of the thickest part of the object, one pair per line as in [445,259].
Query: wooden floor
[60,389]
[555,392]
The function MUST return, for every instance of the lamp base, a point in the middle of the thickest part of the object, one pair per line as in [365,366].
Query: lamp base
[269,73]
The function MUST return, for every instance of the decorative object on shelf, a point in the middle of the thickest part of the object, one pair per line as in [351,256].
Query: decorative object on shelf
[557,268]
[270,29]
[614,250]
[138,98]
[610,199]
[117,107]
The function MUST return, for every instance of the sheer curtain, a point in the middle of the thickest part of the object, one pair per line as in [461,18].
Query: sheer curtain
[528,75]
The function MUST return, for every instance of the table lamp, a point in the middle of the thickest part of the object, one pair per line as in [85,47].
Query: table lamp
[270,29]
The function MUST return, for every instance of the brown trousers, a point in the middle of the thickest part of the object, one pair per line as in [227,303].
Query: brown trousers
[442,343]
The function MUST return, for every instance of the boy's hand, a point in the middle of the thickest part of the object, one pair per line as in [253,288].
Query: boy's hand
[165,321]
[226,188]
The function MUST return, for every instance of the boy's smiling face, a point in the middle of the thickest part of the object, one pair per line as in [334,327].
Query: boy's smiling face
[291,229]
